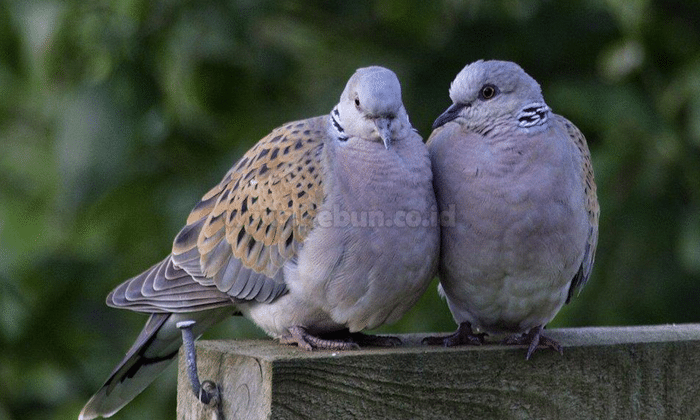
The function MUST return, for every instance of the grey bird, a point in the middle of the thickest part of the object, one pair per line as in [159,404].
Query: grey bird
[325,226]
[525,228]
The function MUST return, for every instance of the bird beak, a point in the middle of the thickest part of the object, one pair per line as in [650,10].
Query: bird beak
[383,126]
[450,114]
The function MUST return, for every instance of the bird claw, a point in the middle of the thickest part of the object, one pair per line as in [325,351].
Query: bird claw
[207,392]
[309,342]
[534,339]
[463,336]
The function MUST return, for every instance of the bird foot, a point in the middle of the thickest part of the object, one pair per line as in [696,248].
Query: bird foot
[307,341]
[207,392]
[534,339]
[463,336]
[361,339]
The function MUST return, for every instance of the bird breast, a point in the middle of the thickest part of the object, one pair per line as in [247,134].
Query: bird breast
[515,243]
[374,246]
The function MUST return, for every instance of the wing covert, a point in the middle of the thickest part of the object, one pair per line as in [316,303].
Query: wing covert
[242,232]
[592,207]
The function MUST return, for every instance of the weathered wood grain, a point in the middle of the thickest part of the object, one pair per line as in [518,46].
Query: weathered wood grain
[620,373]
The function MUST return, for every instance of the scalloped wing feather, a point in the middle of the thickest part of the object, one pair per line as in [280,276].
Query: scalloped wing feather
[592,207]
[166,288]
[239,236]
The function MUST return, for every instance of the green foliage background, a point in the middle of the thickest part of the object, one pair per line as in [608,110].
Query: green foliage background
[116,116]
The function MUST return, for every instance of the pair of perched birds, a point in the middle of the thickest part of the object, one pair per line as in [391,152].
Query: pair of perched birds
[328,225]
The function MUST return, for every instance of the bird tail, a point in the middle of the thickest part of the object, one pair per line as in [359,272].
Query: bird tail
[155,348]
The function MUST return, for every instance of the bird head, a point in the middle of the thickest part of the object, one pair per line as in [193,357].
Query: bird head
[370,107]
[488,92]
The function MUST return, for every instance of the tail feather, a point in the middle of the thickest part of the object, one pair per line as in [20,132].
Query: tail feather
[155,348]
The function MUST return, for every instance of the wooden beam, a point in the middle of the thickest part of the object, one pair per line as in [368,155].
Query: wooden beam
[621,372]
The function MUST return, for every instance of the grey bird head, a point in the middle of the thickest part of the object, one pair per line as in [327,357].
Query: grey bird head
[489,92]
[370,107]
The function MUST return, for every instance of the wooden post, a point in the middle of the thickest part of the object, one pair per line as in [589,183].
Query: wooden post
[649,372]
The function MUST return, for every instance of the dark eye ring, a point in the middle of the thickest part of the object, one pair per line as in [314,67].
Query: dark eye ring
[488,91]
[357,102]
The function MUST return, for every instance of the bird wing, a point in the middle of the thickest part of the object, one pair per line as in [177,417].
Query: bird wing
[592,207]
[242,232]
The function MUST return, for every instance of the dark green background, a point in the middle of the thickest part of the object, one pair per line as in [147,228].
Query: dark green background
[116,116]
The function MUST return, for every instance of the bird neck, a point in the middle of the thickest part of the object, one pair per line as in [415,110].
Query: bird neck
[366,169]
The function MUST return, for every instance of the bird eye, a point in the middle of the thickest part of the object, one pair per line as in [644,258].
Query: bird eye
[357,102]
[488,92]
